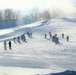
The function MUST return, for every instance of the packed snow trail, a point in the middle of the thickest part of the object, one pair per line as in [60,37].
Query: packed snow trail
[39,52]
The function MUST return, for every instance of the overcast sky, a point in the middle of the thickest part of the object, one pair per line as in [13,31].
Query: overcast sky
[65,5]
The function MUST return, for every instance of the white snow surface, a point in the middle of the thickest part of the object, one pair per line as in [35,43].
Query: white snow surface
[39,55]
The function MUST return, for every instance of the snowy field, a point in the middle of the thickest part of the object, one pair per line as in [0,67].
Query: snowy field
[39,56]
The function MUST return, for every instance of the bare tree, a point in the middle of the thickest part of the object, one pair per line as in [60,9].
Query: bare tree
[10,14]
[55,12]
[35,13]
[1,15]
[7,14]
[17,15]
[46,14]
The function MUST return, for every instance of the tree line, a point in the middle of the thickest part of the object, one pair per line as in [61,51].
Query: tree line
[36,13]
[9,14]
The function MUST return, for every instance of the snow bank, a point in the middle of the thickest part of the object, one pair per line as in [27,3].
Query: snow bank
[67,72]
[14,23]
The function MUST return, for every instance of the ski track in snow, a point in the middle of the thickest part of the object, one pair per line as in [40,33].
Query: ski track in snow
[39,52]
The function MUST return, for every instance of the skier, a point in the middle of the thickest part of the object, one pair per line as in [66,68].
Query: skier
[5,45]
[67,38]
[31,34]
[45,36]
[62,35]
[54,38]
[28,34]
[56,35]
[14,39]
[24,38]
[50,34]
[9,45]
[18,39]
[57,40]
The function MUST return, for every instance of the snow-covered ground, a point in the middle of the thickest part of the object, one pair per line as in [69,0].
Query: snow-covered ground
[39,55]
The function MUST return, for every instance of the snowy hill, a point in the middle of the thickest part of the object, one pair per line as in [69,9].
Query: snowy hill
[39,55]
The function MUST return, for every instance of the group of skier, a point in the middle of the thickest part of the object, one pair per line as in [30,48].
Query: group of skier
[54,38]
[5,45]
[17,39]
[67,38]
[22,38]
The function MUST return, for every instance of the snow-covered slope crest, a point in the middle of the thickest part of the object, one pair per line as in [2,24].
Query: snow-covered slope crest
[15,31]
[67,19]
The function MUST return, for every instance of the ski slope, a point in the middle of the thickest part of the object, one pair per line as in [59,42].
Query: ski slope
[39,55]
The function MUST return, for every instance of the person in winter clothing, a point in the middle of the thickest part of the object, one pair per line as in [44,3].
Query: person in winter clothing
[31,34]
[56,35]
[62,35]
[28,34]
[18,39]
[9,45]
[57,40]
[50,34]
[45,36]
[67,38]
[14,39]
[53,38]
[24,38]
[5,45]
